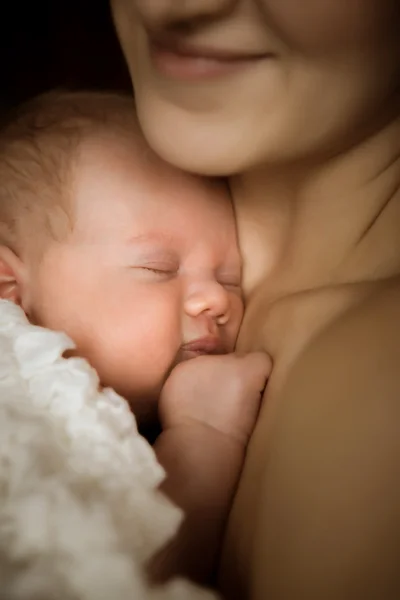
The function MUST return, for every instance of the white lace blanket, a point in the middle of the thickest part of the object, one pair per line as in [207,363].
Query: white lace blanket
[79,510]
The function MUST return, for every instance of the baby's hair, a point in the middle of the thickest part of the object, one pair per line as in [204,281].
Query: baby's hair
[38,143]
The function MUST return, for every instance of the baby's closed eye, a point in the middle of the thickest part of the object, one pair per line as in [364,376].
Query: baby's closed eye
[162,270]
[230,281]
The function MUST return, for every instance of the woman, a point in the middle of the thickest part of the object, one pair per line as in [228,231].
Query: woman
[298,103]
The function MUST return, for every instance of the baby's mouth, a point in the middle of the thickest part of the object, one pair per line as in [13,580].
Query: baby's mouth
[198,347]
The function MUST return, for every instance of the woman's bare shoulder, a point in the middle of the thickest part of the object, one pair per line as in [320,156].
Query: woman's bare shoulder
[329,519]
[367,331]
[361,346]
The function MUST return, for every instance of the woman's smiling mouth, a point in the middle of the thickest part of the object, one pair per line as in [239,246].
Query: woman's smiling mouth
[179,60]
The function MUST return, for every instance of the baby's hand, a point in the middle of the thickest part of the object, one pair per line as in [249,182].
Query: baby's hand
[222,392]
[208,408]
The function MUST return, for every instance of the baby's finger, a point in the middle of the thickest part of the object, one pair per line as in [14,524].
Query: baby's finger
[259,361]
[259,365]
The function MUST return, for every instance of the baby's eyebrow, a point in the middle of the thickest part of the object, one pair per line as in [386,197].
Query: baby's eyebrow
[151,236]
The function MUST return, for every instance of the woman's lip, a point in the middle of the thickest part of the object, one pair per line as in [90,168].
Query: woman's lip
[186,62]
[182,48]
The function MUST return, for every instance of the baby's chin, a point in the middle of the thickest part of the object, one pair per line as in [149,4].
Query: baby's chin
[144,406]
[142,401]
[145,411]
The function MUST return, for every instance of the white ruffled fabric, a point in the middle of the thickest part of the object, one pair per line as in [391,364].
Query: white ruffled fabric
[79,509]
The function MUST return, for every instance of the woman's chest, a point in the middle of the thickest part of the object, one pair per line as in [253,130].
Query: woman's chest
[282,328]
[285,326]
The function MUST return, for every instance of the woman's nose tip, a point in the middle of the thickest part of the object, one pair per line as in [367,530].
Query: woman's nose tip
[163,13]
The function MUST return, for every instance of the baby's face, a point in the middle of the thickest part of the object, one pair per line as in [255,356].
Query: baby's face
[150,275]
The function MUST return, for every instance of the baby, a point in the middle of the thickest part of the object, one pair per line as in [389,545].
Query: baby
[138,263]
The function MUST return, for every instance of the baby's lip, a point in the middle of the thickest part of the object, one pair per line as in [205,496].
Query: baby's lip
[204,345]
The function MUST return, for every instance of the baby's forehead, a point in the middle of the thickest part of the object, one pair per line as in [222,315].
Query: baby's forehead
[122,189]
[123,161]
[65,151]
[114,146]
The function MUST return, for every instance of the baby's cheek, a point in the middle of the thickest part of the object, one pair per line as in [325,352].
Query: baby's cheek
[137,357]
[237,312]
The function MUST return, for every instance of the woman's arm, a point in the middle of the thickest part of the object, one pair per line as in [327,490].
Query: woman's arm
[329,522]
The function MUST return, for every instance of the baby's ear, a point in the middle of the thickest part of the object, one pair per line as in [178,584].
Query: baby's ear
[11,275]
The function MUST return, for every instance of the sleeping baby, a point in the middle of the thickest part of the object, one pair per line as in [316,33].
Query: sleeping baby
[139,264]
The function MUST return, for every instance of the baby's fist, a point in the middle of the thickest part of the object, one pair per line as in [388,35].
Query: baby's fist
[219,391]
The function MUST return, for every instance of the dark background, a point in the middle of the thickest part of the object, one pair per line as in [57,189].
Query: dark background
[57,43]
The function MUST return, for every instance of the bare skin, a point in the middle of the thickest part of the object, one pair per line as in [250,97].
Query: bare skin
[208,408]
[332,396]
[166,245]
[317,511]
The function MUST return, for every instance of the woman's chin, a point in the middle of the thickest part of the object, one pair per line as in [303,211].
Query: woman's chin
[216,145]
[213,162]
[194,146]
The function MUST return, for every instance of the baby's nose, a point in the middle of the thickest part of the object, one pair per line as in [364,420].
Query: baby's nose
[210,298]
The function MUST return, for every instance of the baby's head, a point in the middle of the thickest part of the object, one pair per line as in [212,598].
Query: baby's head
[136,261]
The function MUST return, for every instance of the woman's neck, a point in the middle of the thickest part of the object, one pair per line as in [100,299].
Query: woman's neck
[306,227]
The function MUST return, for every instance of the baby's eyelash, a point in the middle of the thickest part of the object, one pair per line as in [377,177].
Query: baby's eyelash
[160,271]
[155,270]
[234,283]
